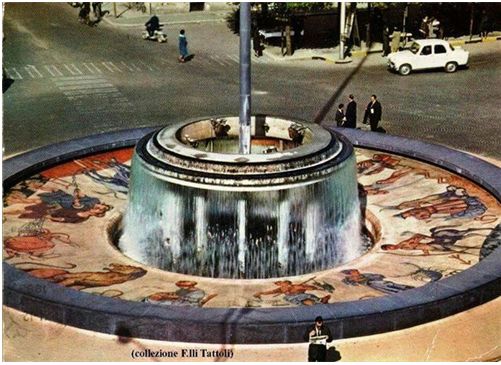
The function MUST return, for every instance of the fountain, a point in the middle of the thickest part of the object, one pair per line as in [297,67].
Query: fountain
[288,208]
[258,197]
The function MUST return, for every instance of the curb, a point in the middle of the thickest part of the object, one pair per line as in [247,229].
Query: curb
[110,19]
[364,53]
[164,23]
[459,42]
[455,42]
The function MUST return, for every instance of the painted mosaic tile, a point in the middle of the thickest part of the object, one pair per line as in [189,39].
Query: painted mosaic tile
[427,224]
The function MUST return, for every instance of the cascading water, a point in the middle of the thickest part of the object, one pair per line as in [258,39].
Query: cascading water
[279,218]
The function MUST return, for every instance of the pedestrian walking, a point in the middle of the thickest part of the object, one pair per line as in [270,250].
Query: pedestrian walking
[256,40]
[351,112]
[395,40]
[96,7]
[485,26]
[373,113]
[83,15]
[386,42]
[183,46]
[424,28]
[340,118]
[318,336]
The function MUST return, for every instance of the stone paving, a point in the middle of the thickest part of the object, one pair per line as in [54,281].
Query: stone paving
[469,336]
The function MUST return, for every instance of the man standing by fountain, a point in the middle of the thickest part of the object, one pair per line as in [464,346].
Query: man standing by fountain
[351,113]
[318,336]
[373,113]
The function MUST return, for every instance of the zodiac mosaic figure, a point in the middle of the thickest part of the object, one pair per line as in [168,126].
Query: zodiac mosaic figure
[375,281]
[442,238]
[34,241]
[455,202]
[21,192]
[113,274]
[296,293]
[119,182]
[187,295]
[60,206]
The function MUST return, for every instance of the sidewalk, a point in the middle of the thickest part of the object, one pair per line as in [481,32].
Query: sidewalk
[135,18]
[331,54]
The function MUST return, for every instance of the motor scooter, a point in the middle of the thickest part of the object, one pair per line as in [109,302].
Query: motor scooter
[158,35]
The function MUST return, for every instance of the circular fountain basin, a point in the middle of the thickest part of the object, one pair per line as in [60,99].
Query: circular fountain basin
[288,208]
[384,290]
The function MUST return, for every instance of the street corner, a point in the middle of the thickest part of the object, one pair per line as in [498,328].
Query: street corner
[492,39]
[359,53]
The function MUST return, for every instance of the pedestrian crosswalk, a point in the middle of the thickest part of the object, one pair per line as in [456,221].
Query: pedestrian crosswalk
[92,93]
[28,72]
[32,72]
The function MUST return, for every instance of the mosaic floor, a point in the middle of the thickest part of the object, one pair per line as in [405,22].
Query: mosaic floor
[427,224]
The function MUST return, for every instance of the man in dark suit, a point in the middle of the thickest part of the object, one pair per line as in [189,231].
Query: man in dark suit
[318,346]
[351,113]
[340,119]
[373,113]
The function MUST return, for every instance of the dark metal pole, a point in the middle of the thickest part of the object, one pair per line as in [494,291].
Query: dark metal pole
[245,79]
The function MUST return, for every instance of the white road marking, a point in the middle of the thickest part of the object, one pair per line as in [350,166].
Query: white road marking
[83,69]
[234,58]
[92,68]
[79,82]
[80,87]
[127,66]
[73,69]
[148,66]
[224,61]
[29,71]
[108,91]
[111,66]
[217,61]
[13,69]
[74,78]
[53,70]
[35,70]
[91,94]
[136,66]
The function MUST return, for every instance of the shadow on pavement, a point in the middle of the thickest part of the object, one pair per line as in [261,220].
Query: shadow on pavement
[6,82]
[328,106]
[189,58]
[333,355]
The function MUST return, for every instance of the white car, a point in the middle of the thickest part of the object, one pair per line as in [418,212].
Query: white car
[427,54]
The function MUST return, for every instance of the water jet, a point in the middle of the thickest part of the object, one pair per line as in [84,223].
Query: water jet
[287,208]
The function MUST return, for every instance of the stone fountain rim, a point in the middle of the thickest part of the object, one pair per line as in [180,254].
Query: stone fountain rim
[476,285]
[237,177]
[168,139]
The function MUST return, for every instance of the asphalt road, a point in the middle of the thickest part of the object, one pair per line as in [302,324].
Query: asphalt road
[71,80]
